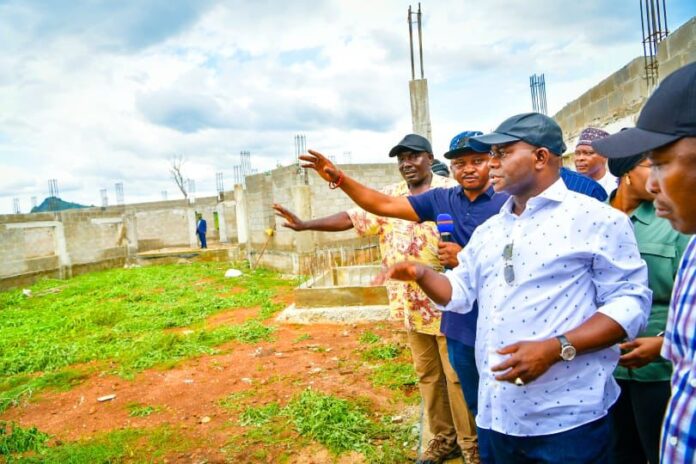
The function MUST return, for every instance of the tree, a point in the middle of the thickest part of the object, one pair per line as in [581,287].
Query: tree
[175,166]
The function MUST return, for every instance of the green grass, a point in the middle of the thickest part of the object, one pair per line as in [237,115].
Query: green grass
[233,402]
[369,338]
[15,439]
[383,352]
[141,410]
[394,375]
[122,316]
[259,415]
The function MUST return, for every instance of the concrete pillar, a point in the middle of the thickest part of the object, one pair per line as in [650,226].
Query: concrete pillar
[61,250]
[220,209]
[302,206]
[241,214]
[193,238]
[130,222]
[420,108]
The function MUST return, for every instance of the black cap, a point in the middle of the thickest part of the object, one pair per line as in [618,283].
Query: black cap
[668,115]
[440,168]
[534,128]
[412,142]
[460,146]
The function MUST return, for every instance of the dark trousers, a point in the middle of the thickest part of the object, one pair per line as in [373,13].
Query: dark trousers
[637,422]
[201,237]
[587,444]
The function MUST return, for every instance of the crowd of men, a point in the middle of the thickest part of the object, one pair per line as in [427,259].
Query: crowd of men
[547,317]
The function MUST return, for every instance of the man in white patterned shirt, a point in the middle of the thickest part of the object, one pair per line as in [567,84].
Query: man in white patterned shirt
[559,281]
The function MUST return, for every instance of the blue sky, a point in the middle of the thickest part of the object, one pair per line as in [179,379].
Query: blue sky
[102,92]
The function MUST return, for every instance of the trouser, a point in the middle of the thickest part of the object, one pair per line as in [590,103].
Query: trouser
[586,444]
[201,237]
[636,421]
[439,386]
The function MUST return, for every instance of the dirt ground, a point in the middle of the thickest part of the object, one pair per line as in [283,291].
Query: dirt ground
[187,396]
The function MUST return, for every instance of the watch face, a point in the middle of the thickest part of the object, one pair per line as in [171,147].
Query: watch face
[568,353]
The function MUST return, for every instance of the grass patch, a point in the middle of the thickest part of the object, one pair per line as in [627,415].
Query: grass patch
[121,316]
[382,352]
[269,309]
[394,375]
[369,338]
[15,439]
[302,338]
[259,415]
[141,410]
[233,402]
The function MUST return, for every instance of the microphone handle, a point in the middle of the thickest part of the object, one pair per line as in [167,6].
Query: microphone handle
[446,237]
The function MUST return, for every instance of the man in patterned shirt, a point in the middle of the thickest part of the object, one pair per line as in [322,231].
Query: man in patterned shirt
[666,129]
[447,412]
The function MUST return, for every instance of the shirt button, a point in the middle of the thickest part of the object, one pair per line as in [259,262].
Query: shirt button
[693,383]
[673,441]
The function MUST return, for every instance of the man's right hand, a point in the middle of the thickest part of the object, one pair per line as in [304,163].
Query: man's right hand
[325,168]
[291,220]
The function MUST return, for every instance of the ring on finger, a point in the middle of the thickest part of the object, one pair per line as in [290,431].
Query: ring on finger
[519,382]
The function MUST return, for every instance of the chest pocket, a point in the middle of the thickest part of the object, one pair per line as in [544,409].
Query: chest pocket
[660,259]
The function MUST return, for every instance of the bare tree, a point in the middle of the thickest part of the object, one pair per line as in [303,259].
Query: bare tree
[175,166]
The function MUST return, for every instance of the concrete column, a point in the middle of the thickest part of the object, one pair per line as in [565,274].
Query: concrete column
[302,203]
[420,108]
[241,213]
[64,261]
[193,238]
[220,209]
[130,222]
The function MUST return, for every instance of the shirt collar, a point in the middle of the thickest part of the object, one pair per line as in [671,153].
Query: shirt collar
[645,212]
[556,192]
[489,192]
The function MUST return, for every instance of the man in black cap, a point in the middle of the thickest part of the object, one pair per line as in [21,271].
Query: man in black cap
[559,281]
[451,424]
[666,130]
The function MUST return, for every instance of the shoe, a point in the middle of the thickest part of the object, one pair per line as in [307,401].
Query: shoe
[471,455]
[439,450]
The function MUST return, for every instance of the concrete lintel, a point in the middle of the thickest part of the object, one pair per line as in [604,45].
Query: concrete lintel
[111,220]
[33,225]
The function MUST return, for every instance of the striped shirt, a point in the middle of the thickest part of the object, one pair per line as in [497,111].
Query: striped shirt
[679,431]
[583,184]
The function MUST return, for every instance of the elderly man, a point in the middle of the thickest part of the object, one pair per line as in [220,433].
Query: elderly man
[451,424]
[666,129]
[559,281]
[591,163]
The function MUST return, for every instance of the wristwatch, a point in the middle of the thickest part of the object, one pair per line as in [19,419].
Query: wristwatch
[567,350]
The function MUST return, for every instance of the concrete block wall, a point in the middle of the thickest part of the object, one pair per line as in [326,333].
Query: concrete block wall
[616,101]
[151,224]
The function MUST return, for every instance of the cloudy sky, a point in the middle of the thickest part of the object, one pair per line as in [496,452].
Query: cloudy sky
[98,92]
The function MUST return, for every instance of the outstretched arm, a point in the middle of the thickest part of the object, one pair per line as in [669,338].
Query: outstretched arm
[368,199]
[334,223]
[434,284]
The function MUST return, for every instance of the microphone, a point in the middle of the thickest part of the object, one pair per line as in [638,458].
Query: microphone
[445,226]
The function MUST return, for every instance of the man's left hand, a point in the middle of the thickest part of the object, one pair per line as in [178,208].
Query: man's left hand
[447,254]
[528,360]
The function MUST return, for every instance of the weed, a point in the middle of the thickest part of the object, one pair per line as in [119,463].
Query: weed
[141,410]
[259,415]
[15,439]
[302,338]
[233,401]
[394,375]
[369,338]
[382,352]
[268,309]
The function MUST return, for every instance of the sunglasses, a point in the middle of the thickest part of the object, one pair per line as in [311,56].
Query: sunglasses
[509,270]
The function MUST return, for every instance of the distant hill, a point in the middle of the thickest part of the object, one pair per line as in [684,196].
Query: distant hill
[55,204]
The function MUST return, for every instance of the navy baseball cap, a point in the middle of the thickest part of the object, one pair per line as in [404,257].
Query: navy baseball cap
[460,146]
[534,128]
[412,142]
[668,115]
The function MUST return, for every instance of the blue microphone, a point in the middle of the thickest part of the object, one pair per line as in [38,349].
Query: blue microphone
[445,226]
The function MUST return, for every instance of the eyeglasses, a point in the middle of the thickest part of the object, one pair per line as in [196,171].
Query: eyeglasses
[509,270]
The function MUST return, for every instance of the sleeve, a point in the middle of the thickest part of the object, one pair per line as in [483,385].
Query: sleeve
[424,204]
[620,276]
[463,279]
[365,223]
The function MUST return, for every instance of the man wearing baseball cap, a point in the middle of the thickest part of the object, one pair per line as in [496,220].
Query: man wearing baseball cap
[666,130]
[559,281]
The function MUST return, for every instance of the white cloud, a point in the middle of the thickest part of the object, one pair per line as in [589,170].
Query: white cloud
[108,92]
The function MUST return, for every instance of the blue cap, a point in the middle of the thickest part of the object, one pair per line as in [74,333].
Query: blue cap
[460,146]
[534,128]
